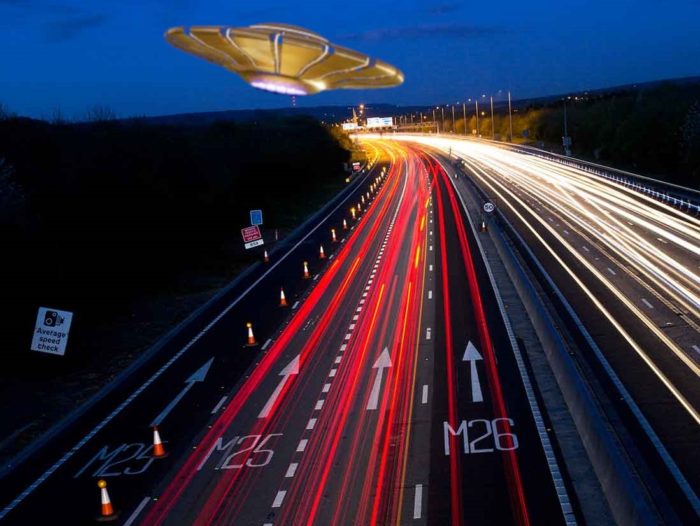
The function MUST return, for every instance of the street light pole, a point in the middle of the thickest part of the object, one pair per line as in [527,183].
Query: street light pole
[442,111]
[493,123]
[478,131]
[453,118]
[464,111]
[510,120]
[437,128]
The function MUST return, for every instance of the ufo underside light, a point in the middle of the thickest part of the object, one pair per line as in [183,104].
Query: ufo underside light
[284,59]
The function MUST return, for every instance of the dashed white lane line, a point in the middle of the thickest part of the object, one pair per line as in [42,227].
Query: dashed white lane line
[279,498]
[352,327]
[355,317]
[348,336]
[430,294]
[586,248]
[338,358]
[430,268]
[646,302]
[310,424]
[302,445]
[326,388]
[295,305]
[566,232]
[612,271]
[291,470]
[332,373]
[662,240]
[418,502]
[696,349]
[431,247]
[218,406]
[267,343]
[319,405]
[343,347]
[424,397]
[427,333]
[137,511]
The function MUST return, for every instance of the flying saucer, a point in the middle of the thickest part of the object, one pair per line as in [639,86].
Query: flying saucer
[284,59]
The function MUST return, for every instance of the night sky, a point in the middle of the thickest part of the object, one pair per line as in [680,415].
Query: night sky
[70,55]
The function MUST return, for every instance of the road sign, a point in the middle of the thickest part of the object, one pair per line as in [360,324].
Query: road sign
[251,233]
[255,243]
[256,217]
[51,331]
[489,207]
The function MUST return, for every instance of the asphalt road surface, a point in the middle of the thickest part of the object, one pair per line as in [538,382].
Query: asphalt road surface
[387,391]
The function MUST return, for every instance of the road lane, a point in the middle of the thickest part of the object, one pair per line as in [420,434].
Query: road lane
[114,440]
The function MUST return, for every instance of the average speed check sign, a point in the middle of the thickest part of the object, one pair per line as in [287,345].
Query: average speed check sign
[489,207]
[252,237]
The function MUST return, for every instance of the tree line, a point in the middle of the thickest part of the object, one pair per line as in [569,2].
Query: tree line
[94,215]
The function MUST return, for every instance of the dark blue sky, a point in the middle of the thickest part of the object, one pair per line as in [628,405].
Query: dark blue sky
[73,54]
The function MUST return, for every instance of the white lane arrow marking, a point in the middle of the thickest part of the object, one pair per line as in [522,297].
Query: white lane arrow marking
[198,376]
[292,368]
[382,363]
[471,355]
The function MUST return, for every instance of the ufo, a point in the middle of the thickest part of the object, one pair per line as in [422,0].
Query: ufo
[284,59]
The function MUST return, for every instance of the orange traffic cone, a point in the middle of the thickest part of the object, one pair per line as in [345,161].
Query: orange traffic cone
[362,198]
[321,253]
[283,299]
[107,511]
[359,208]
[345,224]
[333,238]
[251,338]
[352,213]
[483,226]
[266,258]
[158,449]
[306,270]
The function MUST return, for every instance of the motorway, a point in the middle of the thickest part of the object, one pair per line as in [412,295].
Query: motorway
[628,264]
[388,391]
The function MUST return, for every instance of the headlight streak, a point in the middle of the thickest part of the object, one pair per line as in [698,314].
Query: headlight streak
[652,262]
[506,199]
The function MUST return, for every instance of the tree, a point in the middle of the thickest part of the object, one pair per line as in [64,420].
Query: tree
[100,113]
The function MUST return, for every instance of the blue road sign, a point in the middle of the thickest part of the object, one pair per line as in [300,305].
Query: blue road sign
[256,217]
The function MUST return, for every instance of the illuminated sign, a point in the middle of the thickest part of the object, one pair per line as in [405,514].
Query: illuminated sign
[380,122]
[350,126]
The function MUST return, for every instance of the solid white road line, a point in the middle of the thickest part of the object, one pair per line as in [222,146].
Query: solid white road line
[137,511]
